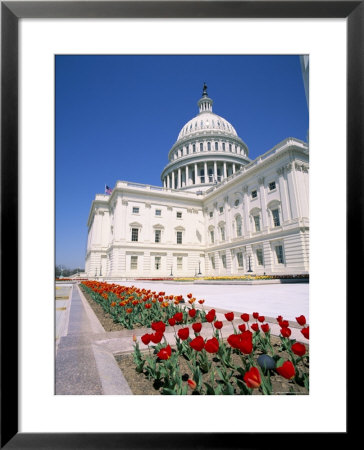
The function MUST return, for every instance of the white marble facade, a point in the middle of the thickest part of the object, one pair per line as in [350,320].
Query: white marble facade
[217,212]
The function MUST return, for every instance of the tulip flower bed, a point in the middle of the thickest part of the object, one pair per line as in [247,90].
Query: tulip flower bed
[249,361]
[131,307]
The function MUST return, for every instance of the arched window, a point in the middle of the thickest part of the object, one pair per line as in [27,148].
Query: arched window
[216,146]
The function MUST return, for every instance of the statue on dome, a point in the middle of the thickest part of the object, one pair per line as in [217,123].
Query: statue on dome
[204,92]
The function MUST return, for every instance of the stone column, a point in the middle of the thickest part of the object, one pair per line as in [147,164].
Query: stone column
[233,168]
[196,174]
[168,182]
[205,171]
[179,185]
[225,171]
[173,184]
[187,177]
[215,170]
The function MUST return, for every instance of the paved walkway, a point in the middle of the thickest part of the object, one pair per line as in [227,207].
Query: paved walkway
[85,363]
[82,366]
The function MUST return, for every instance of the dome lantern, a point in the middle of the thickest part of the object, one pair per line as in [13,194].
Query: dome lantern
[205,103]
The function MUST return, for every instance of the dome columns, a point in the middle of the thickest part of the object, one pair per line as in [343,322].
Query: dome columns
[199,173]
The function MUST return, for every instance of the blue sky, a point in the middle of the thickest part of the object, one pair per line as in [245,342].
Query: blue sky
[118,116]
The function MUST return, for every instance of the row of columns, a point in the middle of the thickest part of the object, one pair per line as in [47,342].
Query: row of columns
[174,179]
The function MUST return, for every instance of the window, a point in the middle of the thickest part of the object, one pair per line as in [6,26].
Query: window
[179,262]
[179,215]
[212,236]
[272,185]
[179,237]
[222,230]
[216,146]
[223,146]
[239,257]
[157,235]
[158,212]
[201,147]
[212,259]
[276,221]
[221,209]
[279,254]
[157,262]
[237,201]
[257,223]
[223,260]
[134,234]
[135,210]
[194,148]
[254,194]
[259,256]
[209,146]
[238,226]
[211,214]
[230,148]
[133,262]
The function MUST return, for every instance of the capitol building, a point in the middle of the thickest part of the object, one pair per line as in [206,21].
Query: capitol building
[216,213]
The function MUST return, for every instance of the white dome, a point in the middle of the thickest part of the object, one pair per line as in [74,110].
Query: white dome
[207,121]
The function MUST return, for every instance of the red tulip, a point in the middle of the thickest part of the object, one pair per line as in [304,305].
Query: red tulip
[255,315]
[234,340]
[284,324]
[246,346]
[301,320]
[178,317]
[197,327]
[245,317]
[189,295]
[298,349]
[279,319]
[286,370]
[197,343]
[158,326]
[306,332]
[201,302]
[183,333]
[156,337]
[252,378]
[229,316]
[261,318]
[192,313]
[192,384]
[242,327]
[145,339]
[265,327]
[255,327]
[286,332]
[212,345]
[218,324]
[165,353]
[172,321]
[210,316]
[147,305]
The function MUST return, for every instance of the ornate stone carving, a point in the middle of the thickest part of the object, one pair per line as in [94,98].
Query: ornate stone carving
[261,180]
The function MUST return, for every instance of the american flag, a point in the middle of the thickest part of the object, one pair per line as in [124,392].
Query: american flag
[108,189]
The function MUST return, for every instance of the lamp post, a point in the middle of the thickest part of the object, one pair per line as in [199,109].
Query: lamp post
[171,274]
[199,268]
[250,269]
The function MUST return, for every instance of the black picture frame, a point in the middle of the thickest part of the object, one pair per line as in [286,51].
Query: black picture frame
[11,12]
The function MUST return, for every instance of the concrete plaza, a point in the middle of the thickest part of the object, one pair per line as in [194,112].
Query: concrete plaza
[289,300]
